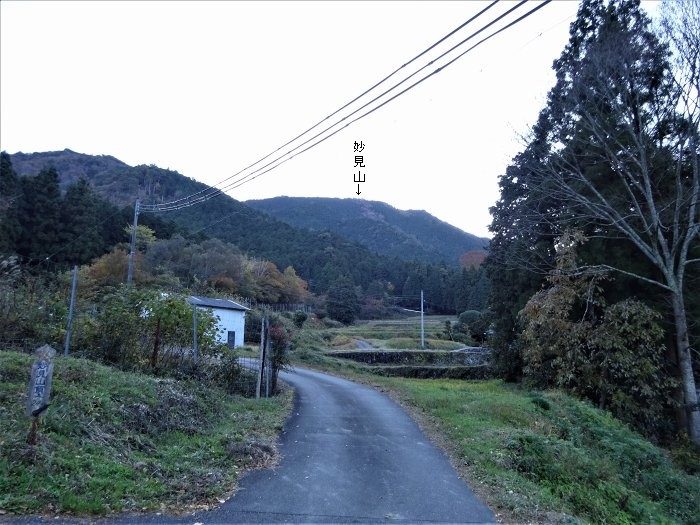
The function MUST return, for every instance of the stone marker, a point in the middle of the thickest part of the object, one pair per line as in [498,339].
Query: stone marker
[39,388]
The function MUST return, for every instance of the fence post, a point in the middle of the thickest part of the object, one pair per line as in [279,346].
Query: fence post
[262,357]
[268,368]
[70,309]
[194,334]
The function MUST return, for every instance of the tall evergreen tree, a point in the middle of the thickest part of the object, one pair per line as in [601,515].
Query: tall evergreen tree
[342,302]
[9,193]
[479,291]
[80,228]
[39,215]
[521,252]
[461,290]
[615,155]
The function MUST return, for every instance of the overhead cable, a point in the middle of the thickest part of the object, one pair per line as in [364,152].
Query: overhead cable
[212,191]
[344,106]
[174,204]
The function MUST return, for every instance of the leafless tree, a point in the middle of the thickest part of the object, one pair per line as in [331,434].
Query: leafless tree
[624,161]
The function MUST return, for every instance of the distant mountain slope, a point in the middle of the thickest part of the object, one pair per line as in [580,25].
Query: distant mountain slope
[110,177]
[319,257]
[102,171]
[376,225]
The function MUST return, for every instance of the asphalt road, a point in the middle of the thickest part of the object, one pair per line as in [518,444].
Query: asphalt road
[349,455]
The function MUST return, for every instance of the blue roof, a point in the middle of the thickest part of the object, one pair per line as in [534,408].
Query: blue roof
[226,304]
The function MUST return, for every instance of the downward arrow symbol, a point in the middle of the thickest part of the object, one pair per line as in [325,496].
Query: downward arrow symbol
[358,189]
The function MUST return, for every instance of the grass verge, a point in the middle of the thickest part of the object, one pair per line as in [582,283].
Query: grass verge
[538,457]
[113,441]
[547,457]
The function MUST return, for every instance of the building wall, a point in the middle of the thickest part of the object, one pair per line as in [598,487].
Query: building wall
[230,320]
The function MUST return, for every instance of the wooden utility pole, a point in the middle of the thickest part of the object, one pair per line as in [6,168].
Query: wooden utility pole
[194,333]
[263,347]
[70,309]
[422,338]
[133,243]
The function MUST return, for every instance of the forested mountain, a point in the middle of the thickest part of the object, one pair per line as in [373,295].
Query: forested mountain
[376,225]
[103,171]
[320,257]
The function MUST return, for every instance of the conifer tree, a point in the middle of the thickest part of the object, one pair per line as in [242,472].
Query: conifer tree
[342,302]
[9,193]
[615,155]
[80,229]
[39,215]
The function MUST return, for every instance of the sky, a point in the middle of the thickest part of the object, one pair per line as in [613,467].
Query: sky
[208,88]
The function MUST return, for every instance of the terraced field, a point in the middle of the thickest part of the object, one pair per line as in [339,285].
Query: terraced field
[401,334]
[393,348]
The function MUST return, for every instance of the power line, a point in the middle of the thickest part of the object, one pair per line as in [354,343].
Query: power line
[212,191]
[346,105]
[257,173]
[250,177]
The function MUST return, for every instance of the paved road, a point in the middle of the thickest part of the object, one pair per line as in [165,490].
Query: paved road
[350,455]
[364,345]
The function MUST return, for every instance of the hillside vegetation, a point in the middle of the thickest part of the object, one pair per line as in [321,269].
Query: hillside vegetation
[321,258]
[113,441]
[547,457]
[376,225]
[533,456]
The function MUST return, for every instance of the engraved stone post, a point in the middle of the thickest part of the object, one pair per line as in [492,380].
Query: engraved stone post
[39,388]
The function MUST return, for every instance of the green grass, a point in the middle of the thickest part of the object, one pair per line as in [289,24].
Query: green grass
[407,343]
[394,334]
[547,454]
[538,457]
[408,327]
[113,441]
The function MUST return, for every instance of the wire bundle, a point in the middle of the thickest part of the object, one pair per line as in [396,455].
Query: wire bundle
[346,115]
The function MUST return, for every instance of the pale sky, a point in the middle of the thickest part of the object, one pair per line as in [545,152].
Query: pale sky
[207,88]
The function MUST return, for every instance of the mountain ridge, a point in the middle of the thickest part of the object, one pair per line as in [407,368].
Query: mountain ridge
[319,257]
[376,225]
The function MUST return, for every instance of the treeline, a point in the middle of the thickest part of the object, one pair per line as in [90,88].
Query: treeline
[322,258]
[51,231]
[47,228]
[594,261]
[209,267]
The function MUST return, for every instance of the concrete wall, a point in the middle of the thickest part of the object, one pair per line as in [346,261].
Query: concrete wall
[230,321]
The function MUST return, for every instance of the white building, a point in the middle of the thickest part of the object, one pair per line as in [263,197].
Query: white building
[231,318]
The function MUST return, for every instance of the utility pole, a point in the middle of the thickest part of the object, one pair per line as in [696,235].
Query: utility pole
[268,368]
[133,243]
[422,338]
[261,367]
[70,309]
[194,333]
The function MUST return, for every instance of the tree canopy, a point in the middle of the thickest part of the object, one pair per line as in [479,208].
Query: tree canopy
[613,155]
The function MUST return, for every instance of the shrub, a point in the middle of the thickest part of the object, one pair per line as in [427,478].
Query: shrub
[469,316]
[142,329]
[279,345]
[299,317]
[233,378]
[612,355]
